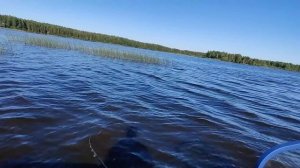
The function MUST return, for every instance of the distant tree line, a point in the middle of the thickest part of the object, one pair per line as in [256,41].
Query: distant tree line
[237,58]
[45,28]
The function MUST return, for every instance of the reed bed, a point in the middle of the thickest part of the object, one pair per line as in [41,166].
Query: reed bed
[109,53]
[1,50]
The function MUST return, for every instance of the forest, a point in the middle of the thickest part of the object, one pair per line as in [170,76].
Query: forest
[45,28]
[237,58]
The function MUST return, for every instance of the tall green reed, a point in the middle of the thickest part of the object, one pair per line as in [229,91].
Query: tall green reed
[68,45]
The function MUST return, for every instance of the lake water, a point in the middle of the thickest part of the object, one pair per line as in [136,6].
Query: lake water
[191,113]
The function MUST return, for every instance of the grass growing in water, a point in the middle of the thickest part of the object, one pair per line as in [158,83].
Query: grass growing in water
[109,53]
[2,50]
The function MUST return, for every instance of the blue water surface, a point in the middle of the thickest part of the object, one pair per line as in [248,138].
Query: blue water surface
[193,112]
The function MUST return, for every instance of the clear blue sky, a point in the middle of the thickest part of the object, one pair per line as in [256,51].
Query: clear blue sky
[266,29]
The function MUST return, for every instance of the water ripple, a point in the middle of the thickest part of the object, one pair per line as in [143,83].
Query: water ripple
[193,113]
